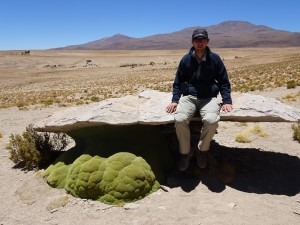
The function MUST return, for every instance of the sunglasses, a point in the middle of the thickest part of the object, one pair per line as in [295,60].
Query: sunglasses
[200,40]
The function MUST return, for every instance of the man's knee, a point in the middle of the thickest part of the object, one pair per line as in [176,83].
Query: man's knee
[181,118]
[211,119]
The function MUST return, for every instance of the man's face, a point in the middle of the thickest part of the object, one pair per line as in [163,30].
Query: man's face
[200,43]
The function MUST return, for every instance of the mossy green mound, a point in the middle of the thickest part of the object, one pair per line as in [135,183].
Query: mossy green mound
[120,178]
[95,168]
[106,140]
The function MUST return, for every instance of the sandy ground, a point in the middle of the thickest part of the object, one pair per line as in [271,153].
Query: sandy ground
[264,187]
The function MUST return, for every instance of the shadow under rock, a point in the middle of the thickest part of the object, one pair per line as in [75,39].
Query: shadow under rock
[245,169]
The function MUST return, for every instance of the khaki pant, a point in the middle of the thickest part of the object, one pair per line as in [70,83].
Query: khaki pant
[210,114]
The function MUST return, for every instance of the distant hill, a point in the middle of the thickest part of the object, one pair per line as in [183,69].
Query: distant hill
[229,34]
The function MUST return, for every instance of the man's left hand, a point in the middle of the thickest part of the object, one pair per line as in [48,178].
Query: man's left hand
[227,108]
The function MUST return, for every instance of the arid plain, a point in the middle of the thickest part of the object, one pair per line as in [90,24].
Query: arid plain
[35,85]
[79,77]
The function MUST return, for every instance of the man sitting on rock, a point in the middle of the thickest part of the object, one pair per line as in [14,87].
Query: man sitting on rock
[201,75]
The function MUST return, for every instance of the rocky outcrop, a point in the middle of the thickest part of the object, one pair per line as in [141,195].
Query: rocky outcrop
[126,124]
[149,108]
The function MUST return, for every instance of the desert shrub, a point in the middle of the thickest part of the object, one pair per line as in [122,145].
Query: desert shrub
[79,102]
[253,88]
[256,129]
[291,97]
[95,99]
[296,128]
[21,104]
[34,150]
[47,102]
[242,137]
[1,135]
[260,87]
[291,84]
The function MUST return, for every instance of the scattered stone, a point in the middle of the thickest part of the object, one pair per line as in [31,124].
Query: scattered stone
[231,205]
[108,207]
[298,213]
[165,188]
[54,210]
[57,202]
[131,206]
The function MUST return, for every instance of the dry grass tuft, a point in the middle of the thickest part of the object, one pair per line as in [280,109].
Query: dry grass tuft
[268,75]
[256,129]
[296,129]
[242,137]
[291,97]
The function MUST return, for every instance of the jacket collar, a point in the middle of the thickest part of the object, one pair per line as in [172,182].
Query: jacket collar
[207,54]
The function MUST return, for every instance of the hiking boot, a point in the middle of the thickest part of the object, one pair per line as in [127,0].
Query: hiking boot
[201,159]
[184,162]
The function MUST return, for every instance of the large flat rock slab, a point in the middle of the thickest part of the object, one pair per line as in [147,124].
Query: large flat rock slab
[149,108]
[257,108]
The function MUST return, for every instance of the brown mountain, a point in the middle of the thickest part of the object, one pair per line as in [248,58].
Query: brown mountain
[229,34]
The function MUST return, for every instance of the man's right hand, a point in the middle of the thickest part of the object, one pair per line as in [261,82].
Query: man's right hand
[171,107]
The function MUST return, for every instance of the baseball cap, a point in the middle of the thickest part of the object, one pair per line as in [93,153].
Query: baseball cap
[199,32]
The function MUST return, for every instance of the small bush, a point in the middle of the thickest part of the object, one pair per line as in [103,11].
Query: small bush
[242,137]
[256,129]
[291,84]
[21,104]
[95,99]
[291,97]
[33,150]
[47,102]
[296,128]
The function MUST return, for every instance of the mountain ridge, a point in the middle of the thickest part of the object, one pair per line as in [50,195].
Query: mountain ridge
[227,34]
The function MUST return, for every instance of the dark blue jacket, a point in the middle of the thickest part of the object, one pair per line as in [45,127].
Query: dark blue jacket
[205,79]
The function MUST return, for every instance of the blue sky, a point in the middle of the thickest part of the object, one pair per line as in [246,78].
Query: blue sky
[44,24]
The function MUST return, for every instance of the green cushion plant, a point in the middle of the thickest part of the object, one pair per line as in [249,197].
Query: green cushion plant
[120,178]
